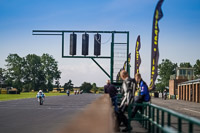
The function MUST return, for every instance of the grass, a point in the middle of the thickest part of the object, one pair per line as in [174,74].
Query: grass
[23,95]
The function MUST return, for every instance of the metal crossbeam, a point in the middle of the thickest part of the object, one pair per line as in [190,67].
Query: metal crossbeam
[111,57]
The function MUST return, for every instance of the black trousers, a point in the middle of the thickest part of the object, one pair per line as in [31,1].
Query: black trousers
[121,118]
[136,108]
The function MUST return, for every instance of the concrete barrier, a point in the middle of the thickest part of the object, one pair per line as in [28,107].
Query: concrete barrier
[96,118]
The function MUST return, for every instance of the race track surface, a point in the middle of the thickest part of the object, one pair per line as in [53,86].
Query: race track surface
[27,116]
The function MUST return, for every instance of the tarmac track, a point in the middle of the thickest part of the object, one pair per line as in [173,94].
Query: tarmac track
[185,107]
[27,116]
[191,109]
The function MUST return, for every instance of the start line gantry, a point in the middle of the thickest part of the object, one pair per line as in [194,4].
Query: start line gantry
[119,51]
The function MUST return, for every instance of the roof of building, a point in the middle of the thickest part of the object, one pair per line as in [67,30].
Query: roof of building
[190,82]
[190,68]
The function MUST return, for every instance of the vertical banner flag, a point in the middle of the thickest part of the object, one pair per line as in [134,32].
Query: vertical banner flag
[129,59]
[154,49]
[124,67]
[137,55]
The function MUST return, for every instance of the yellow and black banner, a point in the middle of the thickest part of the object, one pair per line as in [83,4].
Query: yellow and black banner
[125,63]
[154,50]
[137,55]
[124,67]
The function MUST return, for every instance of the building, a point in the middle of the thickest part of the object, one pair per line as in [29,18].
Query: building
[189,91]
[58,90]
[181,75]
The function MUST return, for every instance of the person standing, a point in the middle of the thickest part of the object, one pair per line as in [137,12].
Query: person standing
[106,86]
[68,92]
[112,91]
[165,94]
[128,87]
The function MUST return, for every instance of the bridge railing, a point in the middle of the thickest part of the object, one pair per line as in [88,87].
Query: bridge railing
[159,119]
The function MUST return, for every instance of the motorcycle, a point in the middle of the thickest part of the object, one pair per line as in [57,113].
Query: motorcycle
[40,99]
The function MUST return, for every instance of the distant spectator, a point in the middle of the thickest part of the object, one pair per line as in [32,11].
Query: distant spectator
[165,94]
[106,87]
[112,90]
[68,92]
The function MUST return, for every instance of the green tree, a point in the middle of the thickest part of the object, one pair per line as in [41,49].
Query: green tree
[185,64]
[94,87]
[86,87]
[41,72]
[1,74]
[2,77]
[68,85]
[160,87]
[101,89]
[50,67]
[33,72]
[166,68]
[197,69]
[15,71]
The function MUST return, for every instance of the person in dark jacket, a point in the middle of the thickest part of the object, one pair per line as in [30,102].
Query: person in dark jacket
[106,87]
[112,90]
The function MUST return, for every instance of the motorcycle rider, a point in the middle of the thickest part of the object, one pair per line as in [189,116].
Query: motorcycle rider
[40,93]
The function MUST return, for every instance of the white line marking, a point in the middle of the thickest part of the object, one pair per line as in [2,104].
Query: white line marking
[191,110]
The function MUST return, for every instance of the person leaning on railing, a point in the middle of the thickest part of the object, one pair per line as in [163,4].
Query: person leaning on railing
[141,94]
[128,87]
[106,86]
[127,92]
[112,91]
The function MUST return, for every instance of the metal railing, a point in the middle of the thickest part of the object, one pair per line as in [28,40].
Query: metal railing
[159,119]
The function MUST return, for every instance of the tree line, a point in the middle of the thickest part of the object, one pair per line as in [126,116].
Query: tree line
[31,72]
[85,86]
[34,72]
[167,68]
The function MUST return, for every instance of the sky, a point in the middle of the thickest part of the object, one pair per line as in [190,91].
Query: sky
[178,39]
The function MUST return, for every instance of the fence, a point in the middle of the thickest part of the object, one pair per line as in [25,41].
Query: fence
[158,119]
